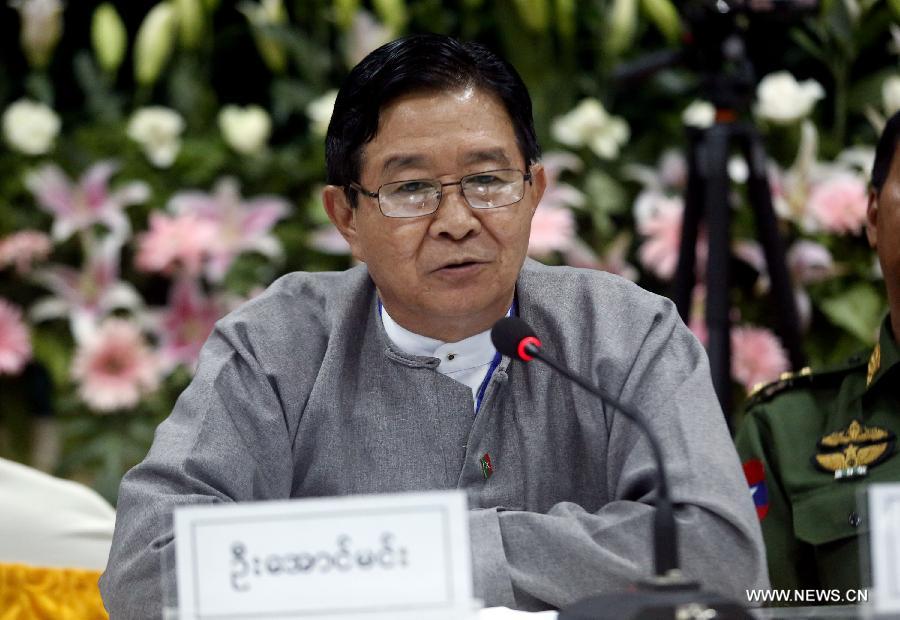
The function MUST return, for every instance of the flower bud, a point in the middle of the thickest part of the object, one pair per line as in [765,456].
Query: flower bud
[589,124]
[783,100]
[154,43]
[246,130]
[622,24]
[319,112]
[109,37]
[158,131]
[664,14]
[41,29]
[890,95]
[261,15]
[30,127]
[189,15]
[699,114]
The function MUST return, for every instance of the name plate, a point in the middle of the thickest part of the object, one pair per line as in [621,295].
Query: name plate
[884,529]
[371,557]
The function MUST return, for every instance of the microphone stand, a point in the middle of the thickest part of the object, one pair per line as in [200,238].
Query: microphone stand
[668,595]
[665,536]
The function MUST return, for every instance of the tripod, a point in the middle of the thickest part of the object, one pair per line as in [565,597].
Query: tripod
[707,195]
[716,49]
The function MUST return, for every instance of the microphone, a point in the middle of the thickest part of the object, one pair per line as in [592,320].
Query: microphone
[514,338]
[668,591]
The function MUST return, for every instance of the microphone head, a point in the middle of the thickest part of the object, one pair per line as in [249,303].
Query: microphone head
[510,335]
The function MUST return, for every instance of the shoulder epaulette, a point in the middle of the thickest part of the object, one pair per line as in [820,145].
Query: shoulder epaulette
[801,378]
[762,392]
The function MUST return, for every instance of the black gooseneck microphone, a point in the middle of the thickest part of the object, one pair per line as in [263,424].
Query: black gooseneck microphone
[668,594]
[514,338]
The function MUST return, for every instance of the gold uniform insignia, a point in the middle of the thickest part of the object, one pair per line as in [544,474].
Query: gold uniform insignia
[874,364]
[850,452]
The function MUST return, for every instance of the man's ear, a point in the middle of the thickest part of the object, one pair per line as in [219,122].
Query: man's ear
[538,184]
[343,216]
[872,219]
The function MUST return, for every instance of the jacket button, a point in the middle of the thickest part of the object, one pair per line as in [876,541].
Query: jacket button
[854,519]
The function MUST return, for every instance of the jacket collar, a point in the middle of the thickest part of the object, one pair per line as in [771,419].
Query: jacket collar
[884,357]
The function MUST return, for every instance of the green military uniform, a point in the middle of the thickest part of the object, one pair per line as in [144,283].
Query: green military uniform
[809,443]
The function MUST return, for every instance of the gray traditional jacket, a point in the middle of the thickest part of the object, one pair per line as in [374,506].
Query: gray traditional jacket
[300,393]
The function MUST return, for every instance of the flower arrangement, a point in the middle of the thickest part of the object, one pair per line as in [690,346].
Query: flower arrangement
[163,164]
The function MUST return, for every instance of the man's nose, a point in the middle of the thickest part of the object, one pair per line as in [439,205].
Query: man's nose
[454,217]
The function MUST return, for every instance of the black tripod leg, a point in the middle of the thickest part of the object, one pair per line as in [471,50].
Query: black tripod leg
[718,218]
[782,294]
[685,277]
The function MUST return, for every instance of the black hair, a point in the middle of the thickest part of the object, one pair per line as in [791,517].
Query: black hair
[419,62]
[884,152]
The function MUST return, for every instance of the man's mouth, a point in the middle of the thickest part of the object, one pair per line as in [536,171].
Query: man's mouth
[460,266]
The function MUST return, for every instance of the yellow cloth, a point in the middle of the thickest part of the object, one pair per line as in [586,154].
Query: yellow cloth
[34,593]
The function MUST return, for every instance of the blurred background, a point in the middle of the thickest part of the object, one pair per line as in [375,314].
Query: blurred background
[161,162]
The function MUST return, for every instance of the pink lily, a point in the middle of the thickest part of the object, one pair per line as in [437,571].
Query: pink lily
[185,324]
[243,226]
[23,249]
[87,296]
[553,224]
[15,345]
[78,206]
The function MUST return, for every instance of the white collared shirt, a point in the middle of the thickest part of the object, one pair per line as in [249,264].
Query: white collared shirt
[467,361]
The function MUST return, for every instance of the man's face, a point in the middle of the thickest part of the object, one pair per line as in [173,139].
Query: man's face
[450,274]
[883,230]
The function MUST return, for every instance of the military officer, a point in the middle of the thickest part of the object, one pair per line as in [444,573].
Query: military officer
[811,442]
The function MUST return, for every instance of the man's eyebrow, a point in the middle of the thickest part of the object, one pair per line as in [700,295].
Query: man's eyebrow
[496,155]
[401,160]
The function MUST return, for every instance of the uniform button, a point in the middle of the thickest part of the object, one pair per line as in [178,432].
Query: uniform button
[854,519]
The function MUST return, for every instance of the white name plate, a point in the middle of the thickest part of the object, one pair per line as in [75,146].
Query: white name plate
[372,557]
[884,532]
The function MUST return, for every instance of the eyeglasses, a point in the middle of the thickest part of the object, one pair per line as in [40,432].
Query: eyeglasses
[482,190]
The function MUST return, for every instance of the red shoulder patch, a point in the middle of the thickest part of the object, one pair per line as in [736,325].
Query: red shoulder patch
[755,473]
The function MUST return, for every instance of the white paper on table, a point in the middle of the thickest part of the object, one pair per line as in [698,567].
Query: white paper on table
[378,557]
[884,522]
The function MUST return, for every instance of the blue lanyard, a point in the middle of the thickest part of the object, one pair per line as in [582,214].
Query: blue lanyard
[487,379]
[494,363]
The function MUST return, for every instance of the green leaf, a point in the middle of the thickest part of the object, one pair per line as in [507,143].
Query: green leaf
[858,310]
[605,194]
[290,97]
[867,91]
[664,16]
[535,14]
[606,198]
[812,48]
[565,18]
[54,351]
[103,103]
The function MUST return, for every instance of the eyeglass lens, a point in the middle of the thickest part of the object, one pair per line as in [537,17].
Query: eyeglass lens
[482,190]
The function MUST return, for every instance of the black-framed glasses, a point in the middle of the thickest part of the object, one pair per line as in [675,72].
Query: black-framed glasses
[482,190]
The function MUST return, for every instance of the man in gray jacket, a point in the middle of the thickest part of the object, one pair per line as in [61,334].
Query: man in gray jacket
[383,379]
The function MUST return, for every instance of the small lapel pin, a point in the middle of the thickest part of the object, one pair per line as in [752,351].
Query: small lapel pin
[487,468]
